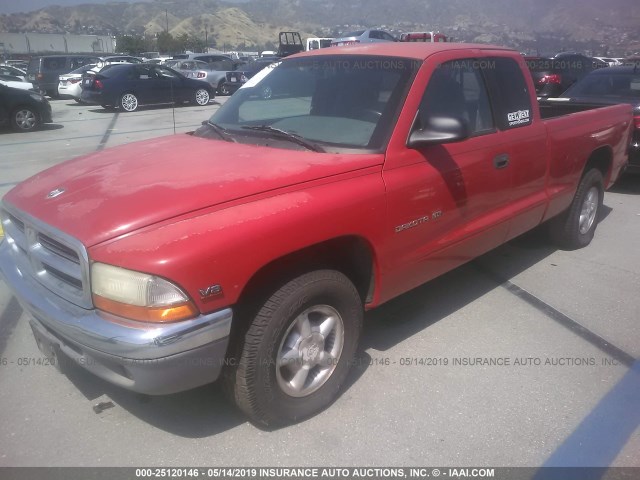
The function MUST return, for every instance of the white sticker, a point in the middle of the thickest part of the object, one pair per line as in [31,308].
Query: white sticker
[518,118]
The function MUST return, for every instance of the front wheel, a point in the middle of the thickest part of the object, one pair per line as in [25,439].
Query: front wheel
[201,97]
[298,349]
[576,227]
[25,119]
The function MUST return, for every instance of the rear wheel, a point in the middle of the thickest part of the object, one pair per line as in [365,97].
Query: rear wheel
[201,97]
[129,102]
[576,227]
[224,89]
[298,349]
[25,119]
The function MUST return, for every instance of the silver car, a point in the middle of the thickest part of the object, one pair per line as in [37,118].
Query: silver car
[363,36]
[214,72]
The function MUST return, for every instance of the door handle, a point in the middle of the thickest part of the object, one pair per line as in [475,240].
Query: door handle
[501,161]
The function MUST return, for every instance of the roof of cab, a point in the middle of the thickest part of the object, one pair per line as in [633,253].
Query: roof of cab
[418,50]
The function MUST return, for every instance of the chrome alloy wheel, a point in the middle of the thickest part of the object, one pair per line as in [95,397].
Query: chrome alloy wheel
[129,102]
[589,210]
[202,97]
[310,350]
[25,119]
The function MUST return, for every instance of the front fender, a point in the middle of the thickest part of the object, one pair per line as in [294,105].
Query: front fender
[226,245]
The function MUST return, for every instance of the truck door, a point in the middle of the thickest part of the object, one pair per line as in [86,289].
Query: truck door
[523,138]
[445,200]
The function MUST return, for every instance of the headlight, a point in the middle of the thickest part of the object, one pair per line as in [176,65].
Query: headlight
[37,97]
[138,296]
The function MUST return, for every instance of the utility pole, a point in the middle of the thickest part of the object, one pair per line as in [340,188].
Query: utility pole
[166,19]
[206,40]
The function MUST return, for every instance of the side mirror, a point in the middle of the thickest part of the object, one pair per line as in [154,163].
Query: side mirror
[439,130]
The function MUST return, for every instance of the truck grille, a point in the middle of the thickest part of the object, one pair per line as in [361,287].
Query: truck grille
[53,259]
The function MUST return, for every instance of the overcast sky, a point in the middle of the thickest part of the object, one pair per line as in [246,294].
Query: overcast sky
[13,6]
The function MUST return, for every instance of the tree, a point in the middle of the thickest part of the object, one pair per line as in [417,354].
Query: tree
[166,42]
[131,44]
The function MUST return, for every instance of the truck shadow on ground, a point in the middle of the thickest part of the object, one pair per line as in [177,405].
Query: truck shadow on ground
[205,411]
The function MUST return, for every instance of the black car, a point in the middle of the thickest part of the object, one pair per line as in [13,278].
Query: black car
[23,110]
[249,69]
[611,86]
[552,76]
[127,86]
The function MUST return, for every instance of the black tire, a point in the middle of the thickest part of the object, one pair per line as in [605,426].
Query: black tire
[576,227]
[53,93]
[223,89]
[201,96]
[262,387]
[128,102]
[25,119]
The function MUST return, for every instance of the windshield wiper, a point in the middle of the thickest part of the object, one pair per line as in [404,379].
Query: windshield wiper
[295,138]
[222,132]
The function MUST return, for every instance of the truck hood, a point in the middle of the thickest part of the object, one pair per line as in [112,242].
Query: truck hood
[119,190]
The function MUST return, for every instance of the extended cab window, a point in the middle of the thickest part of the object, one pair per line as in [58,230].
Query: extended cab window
[509,89]
[457,89]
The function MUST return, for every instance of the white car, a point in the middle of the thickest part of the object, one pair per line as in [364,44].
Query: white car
[69,83]
[9,71]
[20,85]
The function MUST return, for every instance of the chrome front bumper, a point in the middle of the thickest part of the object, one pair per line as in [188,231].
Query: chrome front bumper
[153,359]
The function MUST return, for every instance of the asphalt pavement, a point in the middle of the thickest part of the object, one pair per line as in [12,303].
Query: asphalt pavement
[524,357]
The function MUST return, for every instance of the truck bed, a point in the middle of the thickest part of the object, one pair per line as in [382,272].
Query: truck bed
[555,108]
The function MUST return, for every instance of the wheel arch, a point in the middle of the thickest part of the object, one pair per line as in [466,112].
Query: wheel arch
[601,159]
[351,255]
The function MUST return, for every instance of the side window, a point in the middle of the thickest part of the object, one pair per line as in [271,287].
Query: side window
[509,89]
[162,72]
[386,36]
[53,63]
[457,89]
[375,34]
[144,72]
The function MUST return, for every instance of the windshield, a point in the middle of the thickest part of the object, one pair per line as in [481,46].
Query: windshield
[333,100]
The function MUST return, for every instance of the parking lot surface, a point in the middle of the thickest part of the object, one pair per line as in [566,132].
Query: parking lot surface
[524,357]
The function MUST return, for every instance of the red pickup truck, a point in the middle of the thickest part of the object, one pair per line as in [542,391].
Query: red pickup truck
[249,249]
